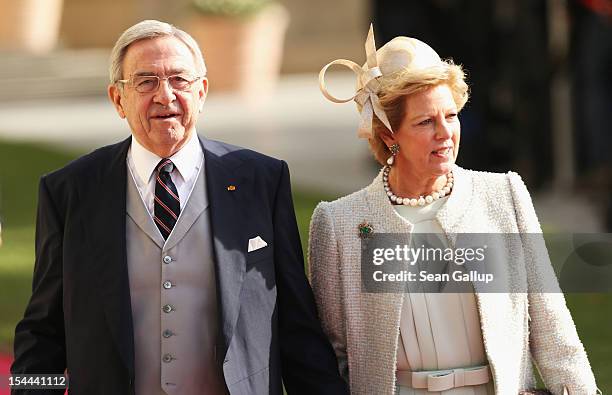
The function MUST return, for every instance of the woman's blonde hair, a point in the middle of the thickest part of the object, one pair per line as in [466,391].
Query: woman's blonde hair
[395,89]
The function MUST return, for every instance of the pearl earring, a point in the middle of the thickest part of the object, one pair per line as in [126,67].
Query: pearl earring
[394,148]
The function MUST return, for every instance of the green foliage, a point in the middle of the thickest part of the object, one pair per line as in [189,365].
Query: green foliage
[229,7]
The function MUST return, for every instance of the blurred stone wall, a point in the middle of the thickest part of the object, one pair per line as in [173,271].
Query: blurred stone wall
[319,30]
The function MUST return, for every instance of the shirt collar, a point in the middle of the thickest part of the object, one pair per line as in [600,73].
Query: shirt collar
[187,160]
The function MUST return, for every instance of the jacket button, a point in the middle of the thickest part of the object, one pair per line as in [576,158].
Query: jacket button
[167,259]
[167,308]
[167,333]
[167,358]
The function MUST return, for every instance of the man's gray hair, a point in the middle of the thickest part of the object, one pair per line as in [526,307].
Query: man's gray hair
[146,30]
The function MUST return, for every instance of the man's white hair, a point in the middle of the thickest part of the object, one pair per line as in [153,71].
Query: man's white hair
[146,30]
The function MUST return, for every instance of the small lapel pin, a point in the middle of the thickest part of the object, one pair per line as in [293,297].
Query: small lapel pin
[231,187]
[365,230]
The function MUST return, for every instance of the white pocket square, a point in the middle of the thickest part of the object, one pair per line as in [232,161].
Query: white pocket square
[256,243]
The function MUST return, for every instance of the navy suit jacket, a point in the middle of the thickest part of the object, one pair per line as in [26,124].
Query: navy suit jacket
[79,316]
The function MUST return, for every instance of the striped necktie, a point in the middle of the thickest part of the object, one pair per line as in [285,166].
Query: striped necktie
[167,205]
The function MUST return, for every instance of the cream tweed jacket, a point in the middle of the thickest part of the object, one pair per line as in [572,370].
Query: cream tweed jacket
[516,327]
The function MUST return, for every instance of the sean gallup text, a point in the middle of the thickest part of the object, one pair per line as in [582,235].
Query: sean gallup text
[423,276]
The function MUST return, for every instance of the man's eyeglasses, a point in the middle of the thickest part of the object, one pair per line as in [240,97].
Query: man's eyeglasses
[150,83]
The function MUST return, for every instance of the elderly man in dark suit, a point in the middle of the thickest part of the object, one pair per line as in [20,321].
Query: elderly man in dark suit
[169,263]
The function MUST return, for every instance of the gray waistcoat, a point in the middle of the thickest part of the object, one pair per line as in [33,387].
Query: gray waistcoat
[173,296]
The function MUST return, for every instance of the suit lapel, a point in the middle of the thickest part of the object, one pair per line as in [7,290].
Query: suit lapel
[139,213]
[228,186]
[196,204]
[107,224]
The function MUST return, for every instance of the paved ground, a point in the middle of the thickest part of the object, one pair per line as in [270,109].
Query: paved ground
[316,137]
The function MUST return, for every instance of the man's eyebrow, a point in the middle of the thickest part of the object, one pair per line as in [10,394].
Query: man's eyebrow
[150,73]
[143,73]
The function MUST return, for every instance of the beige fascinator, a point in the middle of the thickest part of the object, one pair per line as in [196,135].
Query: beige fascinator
[400,55]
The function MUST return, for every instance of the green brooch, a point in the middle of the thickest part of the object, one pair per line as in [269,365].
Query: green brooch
[365,230]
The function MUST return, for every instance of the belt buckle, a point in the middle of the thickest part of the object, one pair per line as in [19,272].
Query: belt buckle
[459,377]
[440,381]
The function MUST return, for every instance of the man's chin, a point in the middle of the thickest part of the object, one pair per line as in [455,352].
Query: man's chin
[169,133]
[166,142]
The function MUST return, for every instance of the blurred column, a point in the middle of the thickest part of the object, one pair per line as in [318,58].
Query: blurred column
[561,109]
[29,25]
[96,24]
[163,10]
[528,55]
[591,61]
[152,9]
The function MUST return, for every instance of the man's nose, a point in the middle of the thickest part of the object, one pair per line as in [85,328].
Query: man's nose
[164,94]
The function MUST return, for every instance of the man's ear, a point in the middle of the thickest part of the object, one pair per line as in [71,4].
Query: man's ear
[114,94]
[203,92]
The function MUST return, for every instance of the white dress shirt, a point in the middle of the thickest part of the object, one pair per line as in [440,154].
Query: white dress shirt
[188,162]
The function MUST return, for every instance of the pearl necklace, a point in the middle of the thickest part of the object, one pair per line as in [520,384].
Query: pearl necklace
[422,200]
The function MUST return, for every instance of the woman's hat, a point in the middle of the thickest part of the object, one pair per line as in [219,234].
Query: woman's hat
[402,54]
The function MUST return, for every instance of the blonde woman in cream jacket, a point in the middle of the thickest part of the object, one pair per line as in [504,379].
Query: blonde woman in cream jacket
[473,343]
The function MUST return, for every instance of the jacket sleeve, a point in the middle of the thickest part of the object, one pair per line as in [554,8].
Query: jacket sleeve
[40,345]
[554,344]
[324,273]
[308,360]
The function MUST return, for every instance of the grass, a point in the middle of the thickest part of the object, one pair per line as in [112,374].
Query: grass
[592,314]
[21,165]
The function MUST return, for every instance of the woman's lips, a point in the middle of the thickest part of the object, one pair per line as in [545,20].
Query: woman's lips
[442,152]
